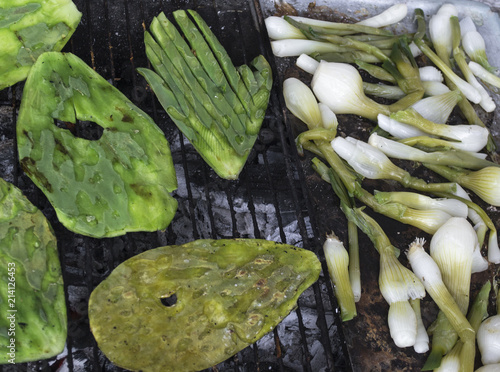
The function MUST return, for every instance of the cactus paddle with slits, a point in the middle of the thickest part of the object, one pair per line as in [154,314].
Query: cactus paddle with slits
[217,106]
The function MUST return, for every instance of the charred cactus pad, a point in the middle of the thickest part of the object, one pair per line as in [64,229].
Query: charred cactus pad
[191,306]
[29,28]
[100,187]
[33,322]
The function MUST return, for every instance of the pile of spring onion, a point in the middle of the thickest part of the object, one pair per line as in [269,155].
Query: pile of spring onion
[425,75]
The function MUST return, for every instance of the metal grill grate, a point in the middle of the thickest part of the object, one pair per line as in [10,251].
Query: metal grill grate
[270,200]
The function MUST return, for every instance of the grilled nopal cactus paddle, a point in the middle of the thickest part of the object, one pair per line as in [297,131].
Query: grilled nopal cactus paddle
[217,106]
[33,323]
[106,187]
[29,28]
[221,296]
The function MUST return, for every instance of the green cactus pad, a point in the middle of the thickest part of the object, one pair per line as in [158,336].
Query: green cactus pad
[101,188]
[33,323]
[29,28]
[192,306]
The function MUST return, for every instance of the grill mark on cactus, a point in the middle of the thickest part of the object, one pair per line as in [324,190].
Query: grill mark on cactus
[29,167]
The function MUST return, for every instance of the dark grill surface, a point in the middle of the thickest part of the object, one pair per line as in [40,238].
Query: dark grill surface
[277,197]
[268,201]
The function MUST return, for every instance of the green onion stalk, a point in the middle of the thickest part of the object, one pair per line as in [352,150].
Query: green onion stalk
[338,261]
[428,272]
[477,313]
[452,248]
[398,284]
[348,96]
[484,182]
[470,137]
[376,71]
[302,103]
[346,201]
[486,101]
[334,28]
[483,223]
[450,77]
[451,157]
[345,57]
[372,163]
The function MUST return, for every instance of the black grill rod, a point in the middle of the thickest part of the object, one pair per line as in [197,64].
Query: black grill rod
[17,171]
[304,344]
[110,47]
[306,359]
[294,158]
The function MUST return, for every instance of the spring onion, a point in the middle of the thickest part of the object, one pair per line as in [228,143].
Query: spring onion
[402,323]
[336,28]
[376,71]
[482,223]
[471,137]
[486,101]
[337,260]
[434,88]
[428,272]
[391,15]
[374,164]
[300,100]
[383,91]
[279,29]
[422,338]
[451,79]
[444,338]
[307,63]
[346,201]
[296,47]
[398,150]
[451,247]
[340,87]
[493,249]
[438,108]
[398,129]
[397,284]
[328,117]
[484,182]
[479,308]
[414,200]
[354,267]
[430,73]
[484,74]
[475,47]
[467,90]
[488,336]
[440,30]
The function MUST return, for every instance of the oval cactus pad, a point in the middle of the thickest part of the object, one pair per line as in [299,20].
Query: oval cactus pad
[101,187]
[192,306]
[33,323]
